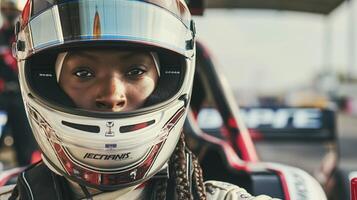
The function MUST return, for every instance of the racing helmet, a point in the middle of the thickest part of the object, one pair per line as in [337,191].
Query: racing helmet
[105,150]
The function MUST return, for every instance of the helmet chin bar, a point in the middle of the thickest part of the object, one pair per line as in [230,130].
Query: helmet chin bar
[98,187]
[84,174]
[160,174]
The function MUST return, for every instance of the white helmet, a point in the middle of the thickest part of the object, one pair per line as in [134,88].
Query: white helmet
[105,150]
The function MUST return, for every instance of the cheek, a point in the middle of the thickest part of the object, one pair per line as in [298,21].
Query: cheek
[79,94]
[137,94]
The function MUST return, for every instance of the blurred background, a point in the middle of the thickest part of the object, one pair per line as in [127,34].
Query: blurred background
[277,57]
[284,54]
[280,58]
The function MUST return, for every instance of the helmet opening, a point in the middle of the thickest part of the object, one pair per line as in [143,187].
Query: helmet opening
[41,77]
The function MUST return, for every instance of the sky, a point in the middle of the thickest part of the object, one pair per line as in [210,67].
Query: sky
[269,51]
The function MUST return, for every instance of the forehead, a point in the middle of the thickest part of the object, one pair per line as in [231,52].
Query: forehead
[105,54]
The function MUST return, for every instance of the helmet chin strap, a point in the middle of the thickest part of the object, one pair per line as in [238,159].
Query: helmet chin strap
[47,163]
[86,192]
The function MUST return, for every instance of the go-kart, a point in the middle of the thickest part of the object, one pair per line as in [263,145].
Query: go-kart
[228,153]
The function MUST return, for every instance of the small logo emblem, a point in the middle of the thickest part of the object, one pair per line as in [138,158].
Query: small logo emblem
[109,132]
[133,174]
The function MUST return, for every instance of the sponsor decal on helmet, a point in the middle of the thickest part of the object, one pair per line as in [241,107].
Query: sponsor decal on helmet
[110,146]
[172,72]
[45,75]
[109,132]
[97,156]
[300,186]
[133,174]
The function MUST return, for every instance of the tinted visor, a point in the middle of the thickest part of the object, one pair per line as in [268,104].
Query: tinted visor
[157,23]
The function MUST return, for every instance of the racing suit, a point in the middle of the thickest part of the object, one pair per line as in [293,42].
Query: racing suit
[10,98]
[40,183]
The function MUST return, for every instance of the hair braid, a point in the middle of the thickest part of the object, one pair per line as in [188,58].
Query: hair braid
[198,179]
[178,160]
[179,170]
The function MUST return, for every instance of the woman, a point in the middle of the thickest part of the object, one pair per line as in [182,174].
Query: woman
[106,85]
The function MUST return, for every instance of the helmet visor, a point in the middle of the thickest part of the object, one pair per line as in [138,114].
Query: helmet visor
[153,22]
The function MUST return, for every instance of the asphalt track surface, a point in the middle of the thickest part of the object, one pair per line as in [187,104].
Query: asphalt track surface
[348,141]
[308,156]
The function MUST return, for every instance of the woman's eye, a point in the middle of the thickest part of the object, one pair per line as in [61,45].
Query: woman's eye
[136,72]
[83,73]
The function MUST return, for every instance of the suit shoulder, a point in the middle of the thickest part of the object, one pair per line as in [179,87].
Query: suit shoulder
[5,191]
[217,190]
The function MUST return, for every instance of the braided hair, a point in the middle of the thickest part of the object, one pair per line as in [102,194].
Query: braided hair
[177,165]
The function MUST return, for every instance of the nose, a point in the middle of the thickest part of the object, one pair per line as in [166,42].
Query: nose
[111,95]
